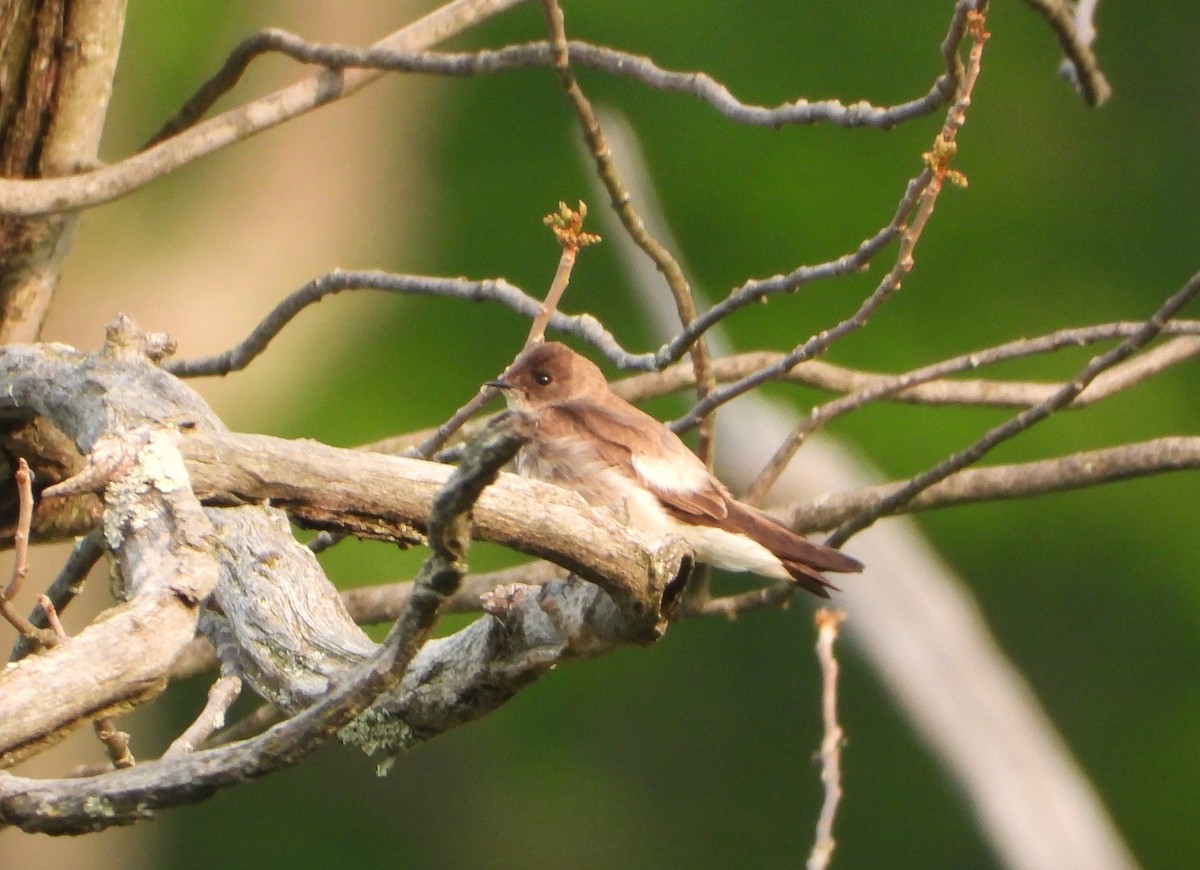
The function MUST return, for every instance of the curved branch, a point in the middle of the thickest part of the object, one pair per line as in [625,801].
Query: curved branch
[490,290]
[183,140]
[110,182]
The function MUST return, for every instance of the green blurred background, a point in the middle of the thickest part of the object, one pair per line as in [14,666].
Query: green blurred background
[698,752]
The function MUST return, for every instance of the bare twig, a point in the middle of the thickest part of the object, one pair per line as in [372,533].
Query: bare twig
[567,226]
[24,481]
[26,629]
[1061,398]
[349,69]
[1021,480]
[584,326]
[221,696]
[775,595]
[51,613]
[452,425]
[622,204]
[238,357]
[1075,34]
[919,199]
[828,622]
[66,586]
[696,84]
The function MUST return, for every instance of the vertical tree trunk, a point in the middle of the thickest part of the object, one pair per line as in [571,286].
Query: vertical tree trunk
[57,59]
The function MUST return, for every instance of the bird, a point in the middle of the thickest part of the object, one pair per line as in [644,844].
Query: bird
[588,439]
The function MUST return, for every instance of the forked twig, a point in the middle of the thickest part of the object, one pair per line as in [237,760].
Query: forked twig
[23,479]
[882,387]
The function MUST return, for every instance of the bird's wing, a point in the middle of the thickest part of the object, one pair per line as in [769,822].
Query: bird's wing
[791,548]
[674,474]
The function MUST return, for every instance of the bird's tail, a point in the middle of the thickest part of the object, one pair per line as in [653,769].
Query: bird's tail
[803,559]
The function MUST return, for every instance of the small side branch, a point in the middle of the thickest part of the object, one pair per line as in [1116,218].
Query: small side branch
[24,481]
[1020,480]
[29,633]
[828,622]
[66,586]
[567,226]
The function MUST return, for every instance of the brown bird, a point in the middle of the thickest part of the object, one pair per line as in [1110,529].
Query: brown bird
[590,440]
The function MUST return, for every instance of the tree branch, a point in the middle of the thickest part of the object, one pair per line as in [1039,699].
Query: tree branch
[1022,480]
[111,182]
[1075,34]
[1029,417]
[124,796]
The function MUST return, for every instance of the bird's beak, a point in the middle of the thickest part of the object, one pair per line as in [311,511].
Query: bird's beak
[499,384]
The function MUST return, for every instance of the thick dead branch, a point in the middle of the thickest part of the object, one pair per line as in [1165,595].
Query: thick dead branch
[132,793]
[294,639]
[388,496]
[159,535]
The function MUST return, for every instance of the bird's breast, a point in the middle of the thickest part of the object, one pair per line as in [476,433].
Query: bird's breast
[573,464]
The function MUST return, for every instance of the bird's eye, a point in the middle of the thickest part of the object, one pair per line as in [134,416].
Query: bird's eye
[541,378]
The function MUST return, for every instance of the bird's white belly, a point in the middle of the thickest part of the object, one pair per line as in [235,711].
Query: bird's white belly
[713,546]
[574,466]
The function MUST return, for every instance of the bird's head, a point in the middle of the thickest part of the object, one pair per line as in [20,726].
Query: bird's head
[549,373]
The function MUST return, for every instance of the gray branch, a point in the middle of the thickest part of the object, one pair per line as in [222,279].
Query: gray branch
[295,641]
